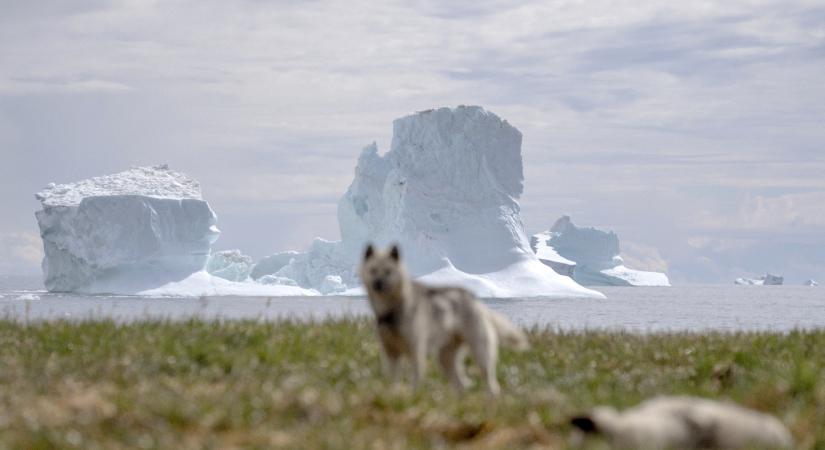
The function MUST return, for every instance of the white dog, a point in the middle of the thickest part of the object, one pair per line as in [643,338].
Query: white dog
[685,423]
[414,320]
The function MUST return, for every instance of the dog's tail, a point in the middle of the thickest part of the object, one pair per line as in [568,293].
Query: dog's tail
[511,335]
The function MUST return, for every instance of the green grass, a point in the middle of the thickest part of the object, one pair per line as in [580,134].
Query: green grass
[96,385]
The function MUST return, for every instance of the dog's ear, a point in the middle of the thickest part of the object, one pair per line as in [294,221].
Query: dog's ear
[584,423]
[394,253]
[369,252]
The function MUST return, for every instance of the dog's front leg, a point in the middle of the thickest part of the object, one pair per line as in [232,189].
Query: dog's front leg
[419,361]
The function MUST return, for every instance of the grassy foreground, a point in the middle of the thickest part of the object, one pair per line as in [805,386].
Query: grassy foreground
[97,385]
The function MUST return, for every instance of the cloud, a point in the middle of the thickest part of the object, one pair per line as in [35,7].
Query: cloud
[663,120]
[35,86]
[20,253]
[799,211]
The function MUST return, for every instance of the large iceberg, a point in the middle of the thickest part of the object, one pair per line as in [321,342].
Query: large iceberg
[143,231]
[447,191]
[591,256]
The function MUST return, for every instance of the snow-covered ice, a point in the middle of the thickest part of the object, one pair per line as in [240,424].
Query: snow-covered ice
[447,191]
[28,297]
[203,284]
[767,280]
[158,182]
[145,231]
[590,255]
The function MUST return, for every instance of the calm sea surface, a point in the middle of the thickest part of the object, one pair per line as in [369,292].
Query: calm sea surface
[679,308]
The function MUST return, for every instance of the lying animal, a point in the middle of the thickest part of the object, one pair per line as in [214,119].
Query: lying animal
[685,423]
[414,320]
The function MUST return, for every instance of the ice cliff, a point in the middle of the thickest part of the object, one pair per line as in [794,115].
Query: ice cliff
[143,231]
[591,256]
[447,191]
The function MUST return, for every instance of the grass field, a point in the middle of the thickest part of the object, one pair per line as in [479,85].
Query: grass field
[97,385]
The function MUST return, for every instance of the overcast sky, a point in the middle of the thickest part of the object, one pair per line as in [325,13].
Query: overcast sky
[696,130]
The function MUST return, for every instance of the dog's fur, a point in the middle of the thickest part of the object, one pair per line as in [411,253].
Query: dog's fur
[685,423]
[414,320]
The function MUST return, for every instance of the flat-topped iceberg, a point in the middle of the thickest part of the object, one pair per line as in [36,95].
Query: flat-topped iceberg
[447,192]
[767,280]
[144,231]
[591,256]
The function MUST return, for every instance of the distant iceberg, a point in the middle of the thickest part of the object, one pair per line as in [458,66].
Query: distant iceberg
[145,231]
[767,280]
[589,255]
[811,283]
[447,191]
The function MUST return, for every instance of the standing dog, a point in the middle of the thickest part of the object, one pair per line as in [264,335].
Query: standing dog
[414,320]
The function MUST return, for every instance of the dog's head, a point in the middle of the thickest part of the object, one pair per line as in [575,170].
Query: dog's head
[381,271]
[602,419]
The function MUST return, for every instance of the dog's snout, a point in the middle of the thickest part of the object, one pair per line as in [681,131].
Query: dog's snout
[378,285]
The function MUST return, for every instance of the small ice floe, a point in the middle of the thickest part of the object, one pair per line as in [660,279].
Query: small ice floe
[28,297]
[685,423]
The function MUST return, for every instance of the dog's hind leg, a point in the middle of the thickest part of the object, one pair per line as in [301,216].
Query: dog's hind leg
[460,357]
[451,359]
[392,366]
[483,342]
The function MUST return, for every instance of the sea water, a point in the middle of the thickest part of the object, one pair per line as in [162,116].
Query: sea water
[678,308]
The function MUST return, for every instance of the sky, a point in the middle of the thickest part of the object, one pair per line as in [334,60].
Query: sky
[695,130]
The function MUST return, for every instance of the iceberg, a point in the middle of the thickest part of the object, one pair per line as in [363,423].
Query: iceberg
[773,280]
[272,264]
[145,231]
[591,256]
[549,256]
[811,283]
[230,265]
[447,192]
[767,280]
